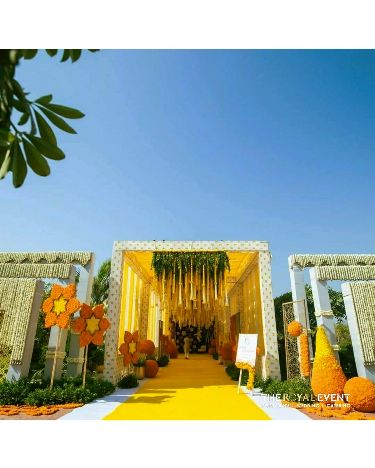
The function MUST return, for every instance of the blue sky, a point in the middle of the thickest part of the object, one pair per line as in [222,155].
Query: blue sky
[205,145]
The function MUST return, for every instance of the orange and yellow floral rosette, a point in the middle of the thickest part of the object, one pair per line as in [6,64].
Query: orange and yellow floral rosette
[130,348]
[60,305]
[91,325]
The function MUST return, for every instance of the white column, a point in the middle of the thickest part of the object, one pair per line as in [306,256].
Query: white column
[297,282]
[53,340]
[362,370]
[111,371]
[84,288]
[301,315]
[323,311]
[271,364]
[17,371]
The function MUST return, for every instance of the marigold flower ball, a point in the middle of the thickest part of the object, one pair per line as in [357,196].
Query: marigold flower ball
[361,393]
[294,328]
[147,347]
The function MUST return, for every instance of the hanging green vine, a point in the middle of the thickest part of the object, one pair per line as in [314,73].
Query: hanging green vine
[172,262]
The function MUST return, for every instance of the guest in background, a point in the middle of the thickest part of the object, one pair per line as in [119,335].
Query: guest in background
[187,342]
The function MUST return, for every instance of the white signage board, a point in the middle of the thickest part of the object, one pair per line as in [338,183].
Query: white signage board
[247,348]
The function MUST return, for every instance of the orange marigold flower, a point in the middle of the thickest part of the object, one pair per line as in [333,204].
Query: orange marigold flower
[98,338]
[59,305]
[104,324]
[295,328]
[56,291]
[47,305]
[50,320]
[86,311]
[63,320]
[91,325]
[98,310]
[84,338]
[79,324]
[130,347]
[69,291]
[124,348]
[73,305]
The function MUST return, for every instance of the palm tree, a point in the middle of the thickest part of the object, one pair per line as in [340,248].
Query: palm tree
[100,287]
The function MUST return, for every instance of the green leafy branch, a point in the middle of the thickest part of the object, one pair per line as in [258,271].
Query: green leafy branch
[20,146]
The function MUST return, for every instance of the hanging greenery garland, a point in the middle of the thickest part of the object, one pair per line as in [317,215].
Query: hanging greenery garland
[192,285]
[171,262]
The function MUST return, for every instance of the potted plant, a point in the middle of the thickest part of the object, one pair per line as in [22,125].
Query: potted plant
[139,367]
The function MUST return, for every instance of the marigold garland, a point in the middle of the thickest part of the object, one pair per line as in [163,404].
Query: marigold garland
[13,410]
[327,376]
[304,355]
[91,325]
[338,411]
[251,369]
[60,305]
[295,328]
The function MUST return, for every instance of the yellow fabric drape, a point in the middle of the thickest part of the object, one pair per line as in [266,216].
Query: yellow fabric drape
[130,307]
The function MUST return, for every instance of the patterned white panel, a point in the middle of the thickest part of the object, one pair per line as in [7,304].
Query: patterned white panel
[192,245]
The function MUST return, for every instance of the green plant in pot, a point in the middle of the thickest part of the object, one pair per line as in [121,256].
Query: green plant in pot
[139,367]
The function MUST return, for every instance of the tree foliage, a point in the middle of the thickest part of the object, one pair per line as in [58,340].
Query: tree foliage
[27,138]
[100,287]
[337,304]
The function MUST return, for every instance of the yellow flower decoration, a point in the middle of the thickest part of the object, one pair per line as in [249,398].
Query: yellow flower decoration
[60,305]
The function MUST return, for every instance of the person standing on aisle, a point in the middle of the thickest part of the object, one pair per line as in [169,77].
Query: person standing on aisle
[186,347]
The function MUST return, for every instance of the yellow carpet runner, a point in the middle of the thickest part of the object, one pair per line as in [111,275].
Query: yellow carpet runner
[197,388]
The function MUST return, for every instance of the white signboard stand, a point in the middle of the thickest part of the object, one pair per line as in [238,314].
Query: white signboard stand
[246,351]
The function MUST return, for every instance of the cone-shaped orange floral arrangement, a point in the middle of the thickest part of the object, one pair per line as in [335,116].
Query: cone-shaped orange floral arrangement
[91,325]
[60,305]
[327,376]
